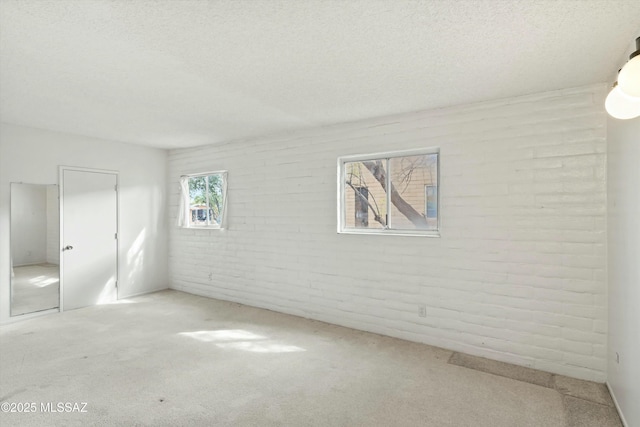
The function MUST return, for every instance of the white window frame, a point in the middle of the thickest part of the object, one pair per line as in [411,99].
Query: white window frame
[187,202]
[386,156]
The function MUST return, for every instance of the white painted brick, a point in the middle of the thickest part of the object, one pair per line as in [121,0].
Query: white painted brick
[588,337]
[576,347]
[517,275]
[600,326]
[543,353]
[600,350]
[588,311]
[589,362]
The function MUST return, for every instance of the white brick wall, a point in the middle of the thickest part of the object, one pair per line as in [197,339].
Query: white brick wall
[517,275]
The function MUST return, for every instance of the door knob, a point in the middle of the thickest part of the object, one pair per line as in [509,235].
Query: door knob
[67,248]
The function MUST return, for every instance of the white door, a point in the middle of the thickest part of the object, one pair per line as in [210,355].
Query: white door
[89,240]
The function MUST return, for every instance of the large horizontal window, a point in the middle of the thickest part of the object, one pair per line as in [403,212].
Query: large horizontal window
[389,193]
[203,200]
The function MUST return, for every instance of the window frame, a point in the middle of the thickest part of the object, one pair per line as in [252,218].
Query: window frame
[386,156]
[187,201]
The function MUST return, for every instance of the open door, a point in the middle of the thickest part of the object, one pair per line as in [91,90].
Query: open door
[89,262]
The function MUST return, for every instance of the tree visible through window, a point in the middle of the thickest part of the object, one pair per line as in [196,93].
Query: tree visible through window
[206,200]
[391,192]
[361,207]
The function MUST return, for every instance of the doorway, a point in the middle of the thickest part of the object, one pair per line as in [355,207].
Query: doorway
[89,231]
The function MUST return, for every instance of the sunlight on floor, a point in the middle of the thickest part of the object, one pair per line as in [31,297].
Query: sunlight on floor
[238,339]
[120,301]
[43,281]
[261,347]
[223,335]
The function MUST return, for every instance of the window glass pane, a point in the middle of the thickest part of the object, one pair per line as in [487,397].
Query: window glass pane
[197,201]
[411,206]
[431,192]
[215,198]
[364,194]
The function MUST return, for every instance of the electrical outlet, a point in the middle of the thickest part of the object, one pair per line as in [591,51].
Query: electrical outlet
[210,276]
[617,357]
[422,310]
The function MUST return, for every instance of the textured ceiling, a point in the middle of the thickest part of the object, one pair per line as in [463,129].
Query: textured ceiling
[184,73]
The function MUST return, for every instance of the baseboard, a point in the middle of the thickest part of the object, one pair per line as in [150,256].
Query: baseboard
[615,402]
[31,264]
[139,294]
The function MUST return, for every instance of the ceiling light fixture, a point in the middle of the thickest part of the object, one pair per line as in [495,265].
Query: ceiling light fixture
[623,102]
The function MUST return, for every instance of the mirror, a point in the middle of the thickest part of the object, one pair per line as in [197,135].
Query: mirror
[35,250]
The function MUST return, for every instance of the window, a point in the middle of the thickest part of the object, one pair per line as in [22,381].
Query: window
[203,200]
[389,193]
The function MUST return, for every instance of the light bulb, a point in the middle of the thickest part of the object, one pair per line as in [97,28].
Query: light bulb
[629,77]
[621,106]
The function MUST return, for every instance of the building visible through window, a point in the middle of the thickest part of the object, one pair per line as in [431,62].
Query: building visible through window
[391,192]
[431,198]
[205,200]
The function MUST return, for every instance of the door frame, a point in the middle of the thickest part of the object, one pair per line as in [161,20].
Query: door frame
[61,170]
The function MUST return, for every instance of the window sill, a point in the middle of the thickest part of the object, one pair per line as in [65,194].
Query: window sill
[204,227]
[393,233]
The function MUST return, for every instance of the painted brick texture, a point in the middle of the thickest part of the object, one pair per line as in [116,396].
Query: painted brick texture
[518,274]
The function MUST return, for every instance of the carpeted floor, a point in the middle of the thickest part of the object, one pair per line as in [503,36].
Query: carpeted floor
[174,359]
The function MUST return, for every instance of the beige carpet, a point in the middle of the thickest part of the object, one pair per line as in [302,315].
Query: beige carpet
[173,359]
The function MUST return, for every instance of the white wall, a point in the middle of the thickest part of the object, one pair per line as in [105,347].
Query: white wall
[518,274]
[624,265]
[33,156]
[53,225]
[29,224]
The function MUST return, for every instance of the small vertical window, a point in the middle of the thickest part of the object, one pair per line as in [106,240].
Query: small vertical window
[203,200]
